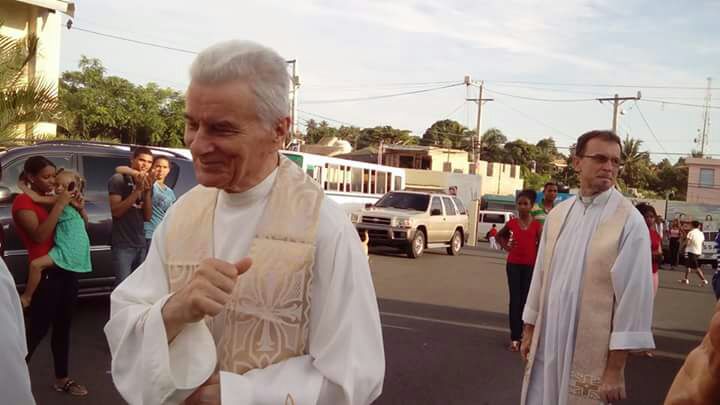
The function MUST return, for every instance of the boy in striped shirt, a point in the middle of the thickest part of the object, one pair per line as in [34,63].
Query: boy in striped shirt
[540,211]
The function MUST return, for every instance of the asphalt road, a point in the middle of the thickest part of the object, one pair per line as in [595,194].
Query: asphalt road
[445,330]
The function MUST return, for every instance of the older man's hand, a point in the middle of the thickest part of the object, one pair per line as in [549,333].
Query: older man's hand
[697,381]
[207,293]
[612,386]
[206,394]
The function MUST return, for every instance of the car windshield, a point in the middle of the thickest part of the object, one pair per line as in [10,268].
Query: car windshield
[406,201]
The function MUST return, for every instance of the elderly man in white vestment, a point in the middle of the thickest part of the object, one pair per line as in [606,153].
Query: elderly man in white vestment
[255,289]
[14,376]
[591,296]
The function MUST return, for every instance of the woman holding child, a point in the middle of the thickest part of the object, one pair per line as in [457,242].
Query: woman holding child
[55,290]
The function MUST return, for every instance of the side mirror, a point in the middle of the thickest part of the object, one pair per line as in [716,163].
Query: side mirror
[5,194]
[368,206]
[436,212]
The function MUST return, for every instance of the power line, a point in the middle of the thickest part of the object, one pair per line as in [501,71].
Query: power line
[407,93]
[448,116]
[365,86]
[328,118]
[135,41]
[530,117]
[650,129]
[644,86]
[650,100]
[548,100]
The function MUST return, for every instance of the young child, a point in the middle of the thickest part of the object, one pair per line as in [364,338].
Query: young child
[491,237]
[72,244]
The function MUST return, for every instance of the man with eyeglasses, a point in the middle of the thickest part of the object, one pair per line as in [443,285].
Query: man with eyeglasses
[591,297]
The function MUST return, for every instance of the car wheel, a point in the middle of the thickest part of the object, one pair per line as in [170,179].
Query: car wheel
[417,245]
[455,244]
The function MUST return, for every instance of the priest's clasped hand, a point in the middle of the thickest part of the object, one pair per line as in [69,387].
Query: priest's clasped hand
[207,293]
[208,393]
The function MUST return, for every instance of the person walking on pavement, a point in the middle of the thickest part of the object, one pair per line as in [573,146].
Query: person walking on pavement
[675,236]
[492,237]
[695,239]
[520,238]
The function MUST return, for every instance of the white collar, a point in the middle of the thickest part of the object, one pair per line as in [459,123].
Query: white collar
[251,196]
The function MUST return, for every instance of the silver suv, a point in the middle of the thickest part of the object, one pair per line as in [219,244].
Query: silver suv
[415,221]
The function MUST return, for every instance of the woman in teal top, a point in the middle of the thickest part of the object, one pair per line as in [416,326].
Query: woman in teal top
[72,244]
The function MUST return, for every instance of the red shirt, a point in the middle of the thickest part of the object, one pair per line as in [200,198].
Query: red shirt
[526,242]
[493,232]
[35,250]
[655,242]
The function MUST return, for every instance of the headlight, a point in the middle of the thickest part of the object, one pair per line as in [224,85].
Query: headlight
[354,218]
[404,222]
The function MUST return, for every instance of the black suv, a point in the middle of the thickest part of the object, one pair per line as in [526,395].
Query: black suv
[96,162]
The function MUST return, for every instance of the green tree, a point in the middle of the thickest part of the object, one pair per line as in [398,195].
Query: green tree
[388,134]
[315,131]
[23,101]
[636,173]
[448,133]
[534,181]
[492,142]
[350,134]
[547,153]
[520,152]
[98,106]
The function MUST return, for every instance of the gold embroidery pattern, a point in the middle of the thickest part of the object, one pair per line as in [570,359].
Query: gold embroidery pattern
[585,386]
[180,274]
[268,319]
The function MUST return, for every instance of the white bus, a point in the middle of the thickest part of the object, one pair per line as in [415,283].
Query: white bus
[349,183]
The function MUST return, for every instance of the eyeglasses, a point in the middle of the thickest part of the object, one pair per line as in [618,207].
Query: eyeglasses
[602,159]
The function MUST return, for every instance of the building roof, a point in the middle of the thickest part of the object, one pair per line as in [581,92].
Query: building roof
[499,198]
[420,148]
[63,6]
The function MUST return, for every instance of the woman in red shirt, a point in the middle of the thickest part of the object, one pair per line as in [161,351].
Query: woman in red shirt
[520,237]
[648,212]
[53,302]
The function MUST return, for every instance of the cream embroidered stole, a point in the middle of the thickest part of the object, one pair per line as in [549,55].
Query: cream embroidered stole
[268,317]
[592,339]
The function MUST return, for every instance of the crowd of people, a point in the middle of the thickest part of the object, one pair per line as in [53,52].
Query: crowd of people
[51,221]
[254,289]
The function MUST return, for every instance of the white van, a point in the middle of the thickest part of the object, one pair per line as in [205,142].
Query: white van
[486,219]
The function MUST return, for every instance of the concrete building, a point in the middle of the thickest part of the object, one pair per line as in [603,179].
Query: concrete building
[41,17]
[426,158]
[703,181]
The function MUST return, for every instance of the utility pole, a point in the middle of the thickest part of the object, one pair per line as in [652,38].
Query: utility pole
[704,138]
[295,84]
[480,101]
[617,102]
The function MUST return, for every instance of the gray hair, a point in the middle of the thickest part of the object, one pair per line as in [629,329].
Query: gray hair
[261,68]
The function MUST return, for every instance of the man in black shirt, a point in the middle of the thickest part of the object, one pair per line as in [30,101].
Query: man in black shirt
[128,197]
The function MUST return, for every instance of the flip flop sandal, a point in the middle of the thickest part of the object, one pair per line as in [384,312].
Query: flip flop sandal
[72,388]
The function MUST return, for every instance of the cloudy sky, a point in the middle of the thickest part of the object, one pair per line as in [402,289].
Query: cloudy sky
[557,51]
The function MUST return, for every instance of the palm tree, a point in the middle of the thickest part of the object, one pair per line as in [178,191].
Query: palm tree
[23,101]
[637,164]
[630,151]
